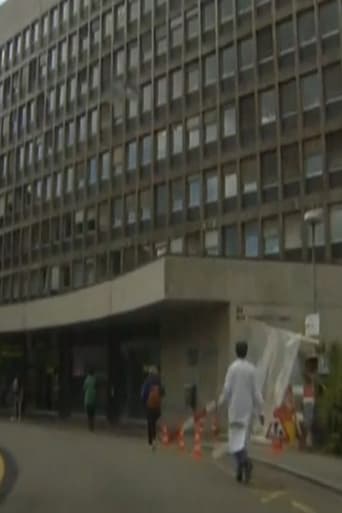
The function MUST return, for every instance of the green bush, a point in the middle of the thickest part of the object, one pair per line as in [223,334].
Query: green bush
[330,402]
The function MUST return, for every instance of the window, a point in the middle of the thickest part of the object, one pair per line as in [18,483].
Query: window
[230,181]
[211,243]
[147,98]
[269,169]
[310,91]
[161,145]
[95,32]
[133,9]
[226,10]
[229,121]
[248,170]
[243,6]
[117,213]
[61,92]
[318,237]
[117,161]
[70,133]
[147,6]
[192,78]
[177,139]
[265,44]
[133,55]
[145,205]
[132,108]
[290,163]
[92,171]
[72,90]
[94,76]
[161,91]
[161,41]
[328,18]
[69,180]
[334,152]
[336,224]
[227,58]
[176,246]
[210,127]
[53,59]
[267,107]
[313,158]
[119,62]
[306,28]
[177,196]
[107,24]
[120,11]
[211,188]
[176,84]
[161,200]
[251,240]
[191,23]
[73,46]
[132,155]
[146,150]
[131,215]
[176,32]
[105,166]
[194,188]
[292,232]
[246,54]
[79,221]
[93,123]
[210,69]
[63,52]
[193,129]
[271,237]
[333,83]
[58,185]
[230,241]
[288,99]
[285,37]
[208,15]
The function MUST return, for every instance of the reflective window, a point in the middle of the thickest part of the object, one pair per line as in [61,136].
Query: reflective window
[193,129]
[329,18]
[251,239]
[208,15]
[267,107]
[147,98]
[192,23]
[177,196]
[285,36]
[105,166]
[161,91]
[336,224]
[132,155]
[246,54]
[161,200]
[310,91]
[306,28]
[176,31]
[211,188]
[210,127]
[177,139]
[229,121]
[270,229]
[146,150]
[292,232]
[194,191]
[211,243]
[161,144]
[192,77]
[176,84]
[227,57]
[313,158]
[145,205]
[230,241]
[92,171]
[210,69]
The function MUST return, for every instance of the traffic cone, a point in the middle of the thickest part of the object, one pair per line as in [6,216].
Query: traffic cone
[277,440]
[165,435]
[197,452]
[181,441]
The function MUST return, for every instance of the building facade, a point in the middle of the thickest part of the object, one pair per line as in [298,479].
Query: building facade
[131,129]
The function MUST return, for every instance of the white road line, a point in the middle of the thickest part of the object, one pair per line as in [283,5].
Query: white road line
[273,496]
[302,507]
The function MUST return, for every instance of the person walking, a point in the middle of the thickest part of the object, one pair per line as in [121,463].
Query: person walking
[89,389]
[244,400]
[152,397]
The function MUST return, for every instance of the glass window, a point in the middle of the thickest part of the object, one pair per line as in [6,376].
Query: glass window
[119,62]
[267,107]
[105,166]
[118,161]
[269,169]
[176,246]
[133,10]
[194,188]
[147,6]
[292,232]
[94,76]
[147,98]
[230,185]
[161,41]
[117,213]
[210,69]
[177,196]
[132,108]
[58,185]
[131,214]
[265,44]
[251,239]
[176,84]
[120,11]
[176,32]
[208,15]
[133,55]
[288,99]
[107,24]
[329,18]
[227,57]
[192,76]
[336,224]
[319,235]
[92,171]
[270,230]
[177,139]
[230,241]
[69,180]
[161,91]
[211,243]
[229,121]
[226,10]
[161,144]
[313,158]
[306,28]
[246,54]
[285,36]
[332,76]
[193,129]
[93,122]
[211,188]
[248,170]
[210,127]
[191,23]
[146,150]
[310,91]
[243,6]
[132,155]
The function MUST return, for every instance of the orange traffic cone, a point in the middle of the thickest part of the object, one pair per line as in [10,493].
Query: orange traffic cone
[181,441]
[197,452]
[165,435]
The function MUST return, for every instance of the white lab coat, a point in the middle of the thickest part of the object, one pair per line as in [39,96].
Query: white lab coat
[244,401]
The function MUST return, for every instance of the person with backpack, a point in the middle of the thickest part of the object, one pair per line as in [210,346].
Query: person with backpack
[152,397]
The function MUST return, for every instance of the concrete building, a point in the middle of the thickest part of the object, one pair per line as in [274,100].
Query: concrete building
[135,129]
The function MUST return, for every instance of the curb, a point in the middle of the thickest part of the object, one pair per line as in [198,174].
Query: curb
[300,475]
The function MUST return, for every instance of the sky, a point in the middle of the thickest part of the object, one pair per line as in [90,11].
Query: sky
[2,1]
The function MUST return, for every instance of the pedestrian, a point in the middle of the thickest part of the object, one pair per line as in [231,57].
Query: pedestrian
[18,395]
[89,389]
[152,398]
[244,401]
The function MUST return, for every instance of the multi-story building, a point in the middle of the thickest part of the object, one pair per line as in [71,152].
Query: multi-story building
[131,129]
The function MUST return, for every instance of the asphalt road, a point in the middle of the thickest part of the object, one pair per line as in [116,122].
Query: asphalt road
[72,471]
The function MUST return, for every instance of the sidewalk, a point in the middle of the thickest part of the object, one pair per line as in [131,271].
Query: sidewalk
[325,471]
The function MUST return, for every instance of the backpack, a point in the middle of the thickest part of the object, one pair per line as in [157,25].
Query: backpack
[154,398]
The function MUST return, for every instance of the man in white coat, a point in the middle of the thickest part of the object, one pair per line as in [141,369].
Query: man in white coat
[244,402]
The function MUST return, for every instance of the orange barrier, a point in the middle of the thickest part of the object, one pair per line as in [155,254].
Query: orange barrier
[181,441]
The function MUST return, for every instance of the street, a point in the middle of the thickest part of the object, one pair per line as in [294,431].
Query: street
[72,471]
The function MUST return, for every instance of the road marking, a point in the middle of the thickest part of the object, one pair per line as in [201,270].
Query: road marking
[2,468]
[302,507]
[273,496]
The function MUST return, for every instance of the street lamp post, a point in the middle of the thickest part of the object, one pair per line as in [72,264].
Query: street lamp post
[312,218]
